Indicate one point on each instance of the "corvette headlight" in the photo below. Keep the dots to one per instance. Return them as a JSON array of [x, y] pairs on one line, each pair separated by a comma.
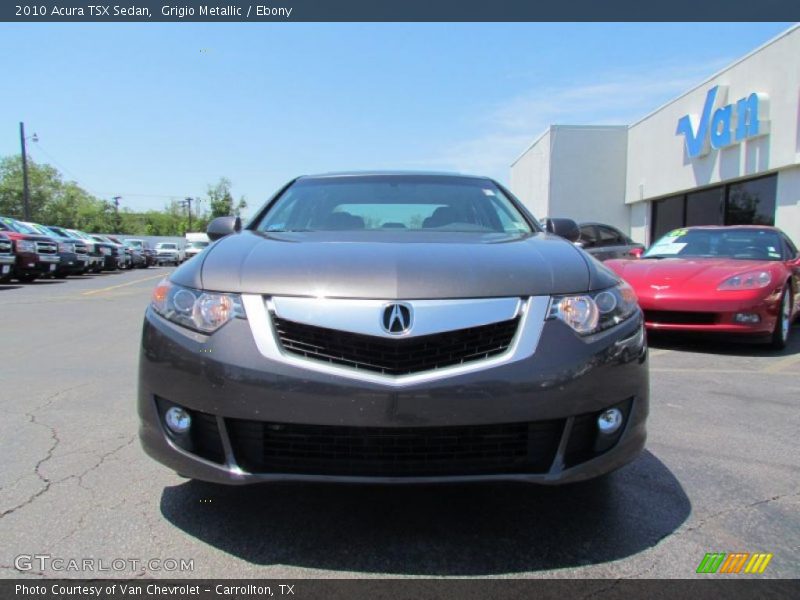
[[595, 311], [25, 246], [196, 309], [753, 280]]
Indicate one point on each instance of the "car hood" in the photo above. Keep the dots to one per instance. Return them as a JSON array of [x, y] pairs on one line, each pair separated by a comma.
[[394, 265], [682, 273], [32, 237]]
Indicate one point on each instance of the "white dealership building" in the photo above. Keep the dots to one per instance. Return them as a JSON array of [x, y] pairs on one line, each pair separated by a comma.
[[724, 152]]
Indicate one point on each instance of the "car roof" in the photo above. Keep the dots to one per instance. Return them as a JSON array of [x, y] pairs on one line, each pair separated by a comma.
[[717, 227], [392, 173]]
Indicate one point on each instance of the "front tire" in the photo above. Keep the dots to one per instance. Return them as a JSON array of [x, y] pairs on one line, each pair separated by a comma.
[[783, 324], [27, 277]]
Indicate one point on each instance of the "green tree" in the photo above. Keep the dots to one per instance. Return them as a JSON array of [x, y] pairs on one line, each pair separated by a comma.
[[221, 202], [44, 182]]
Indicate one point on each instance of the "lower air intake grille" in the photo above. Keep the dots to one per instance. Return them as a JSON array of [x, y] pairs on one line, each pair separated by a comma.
[[673, 317], [395, 356], [386, 451]]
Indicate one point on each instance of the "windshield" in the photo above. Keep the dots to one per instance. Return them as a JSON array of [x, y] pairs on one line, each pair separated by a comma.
[[744, 244], [36, 228], [133, 243], [394, 203], [13, 225], [164, 246], [80, 235], [199, 245]]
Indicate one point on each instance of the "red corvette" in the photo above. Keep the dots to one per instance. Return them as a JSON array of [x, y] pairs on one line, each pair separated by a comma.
[[732, 280]]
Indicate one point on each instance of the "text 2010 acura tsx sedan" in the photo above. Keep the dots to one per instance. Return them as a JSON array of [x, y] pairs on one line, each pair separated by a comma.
[[393, 327]]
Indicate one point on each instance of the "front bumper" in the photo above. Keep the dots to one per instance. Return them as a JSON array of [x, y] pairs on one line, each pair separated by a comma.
[[32, 263], [7, 262], [714, 315], [70, 263], [228, 384]]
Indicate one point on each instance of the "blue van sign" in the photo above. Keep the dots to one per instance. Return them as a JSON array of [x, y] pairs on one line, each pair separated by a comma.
[[723, 125]]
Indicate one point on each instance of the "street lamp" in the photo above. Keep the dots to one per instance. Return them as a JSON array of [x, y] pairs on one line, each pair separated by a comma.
[[25, 189]]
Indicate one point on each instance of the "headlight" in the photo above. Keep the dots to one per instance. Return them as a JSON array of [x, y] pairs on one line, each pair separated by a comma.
[[25, 246], [753, 280], [65, 247], [104, 250], [595, 311], [196, 309]]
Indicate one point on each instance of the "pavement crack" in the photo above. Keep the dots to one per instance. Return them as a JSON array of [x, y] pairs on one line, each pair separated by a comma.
[[37, 468], [702, 522]]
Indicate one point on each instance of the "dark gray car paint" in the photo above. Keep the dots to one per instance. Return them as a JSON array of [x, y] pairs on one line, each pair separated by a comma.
[[226, 375], [391, 265]]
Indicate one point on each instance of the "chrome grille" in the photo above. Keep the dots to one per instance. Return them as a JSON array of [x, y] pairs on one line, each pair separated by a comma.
[[5, 247], [80, 248], [46, 248]]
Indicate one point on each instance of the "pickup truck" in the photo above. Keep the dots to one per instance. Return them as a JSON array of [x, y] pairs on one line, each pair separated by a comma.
[[95, 259], [36, 255], [168, 252], [141, 247], [73, 253], [7, 258]]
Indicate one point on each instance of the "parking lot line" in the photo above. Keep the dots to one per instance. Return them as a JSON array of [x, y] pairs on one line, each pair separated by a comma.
[[114, 287], [782, 364]]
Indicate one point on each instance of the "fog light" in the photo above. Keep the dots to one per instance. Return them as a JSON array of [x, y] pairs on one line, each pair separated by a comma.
[[178, 420], [749, 318], [609, 421]]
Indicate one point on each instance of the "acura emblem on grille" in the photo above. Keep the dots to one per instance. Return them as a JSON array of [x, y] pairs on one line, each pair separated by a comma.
[[396, 318]]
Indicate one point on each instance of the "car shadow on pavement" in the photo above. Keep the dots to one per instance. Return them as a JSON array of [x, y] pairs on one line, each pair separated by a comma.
[[705, 344], [456, 530]]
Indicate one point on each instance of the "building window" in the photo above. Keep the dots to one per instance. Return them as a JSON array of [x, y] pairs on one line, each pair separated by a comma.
[[750, 202], [668, 214], [706, 207]]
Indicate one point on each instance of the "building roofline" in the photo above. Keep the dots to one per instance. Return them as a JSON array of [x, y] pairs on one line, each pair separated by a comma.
[[738, 61], [552, 128]]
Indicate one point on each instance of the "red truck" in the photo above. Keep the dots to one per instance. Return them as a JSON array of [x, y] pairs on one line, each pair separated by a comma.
[[36, 255]]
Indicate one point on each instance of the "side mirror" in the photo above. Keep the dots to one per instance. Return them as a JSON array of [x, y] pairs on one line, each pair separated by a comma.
[[566, 228], [222, 226]]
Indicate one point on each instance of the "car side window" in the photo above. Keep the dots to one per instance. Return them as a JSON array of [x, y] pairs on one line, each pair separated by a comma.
[[588, 236], [609, 236], [789, 249]]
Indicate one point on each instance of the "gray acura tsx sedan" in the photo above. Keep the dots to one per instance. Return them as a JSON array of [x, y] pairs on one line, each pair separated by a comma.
[[393, 327]]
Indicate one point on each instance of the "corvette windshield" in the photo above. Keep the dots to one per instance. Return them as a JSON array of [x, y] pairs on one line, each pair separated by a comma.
[[744, 244], [394, 203]]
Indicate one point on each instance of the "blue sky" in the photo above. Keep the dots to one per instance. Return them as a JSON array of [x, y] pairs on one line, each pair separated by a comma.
[[159, 111]]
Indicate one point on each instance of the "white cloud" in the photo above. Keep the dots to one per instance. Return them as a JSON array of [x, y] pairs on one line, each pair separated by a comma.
[[613, 97]]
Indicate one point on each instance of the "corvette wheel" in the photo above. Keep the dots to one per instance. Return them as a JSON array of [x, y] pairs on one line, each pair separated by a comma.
[[780, 335]]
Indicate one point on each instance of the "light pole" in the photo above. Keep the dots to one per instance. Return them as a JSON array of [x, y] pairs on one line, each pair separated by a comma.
[[188, 204], [26, 201], [116, 200]]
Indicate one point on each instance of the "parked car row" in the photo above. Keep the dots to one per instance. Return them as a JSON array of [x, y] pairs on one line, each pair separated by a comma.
[[32, 250]]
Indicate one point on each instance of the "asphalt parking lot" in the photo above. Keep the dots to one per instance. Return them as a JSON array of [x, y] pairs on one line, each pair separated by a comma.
[[721, 472]]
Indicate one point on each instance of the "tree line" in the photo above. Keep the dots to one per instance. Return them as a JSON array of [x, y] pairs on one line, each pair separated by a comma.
[[54, 201]]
